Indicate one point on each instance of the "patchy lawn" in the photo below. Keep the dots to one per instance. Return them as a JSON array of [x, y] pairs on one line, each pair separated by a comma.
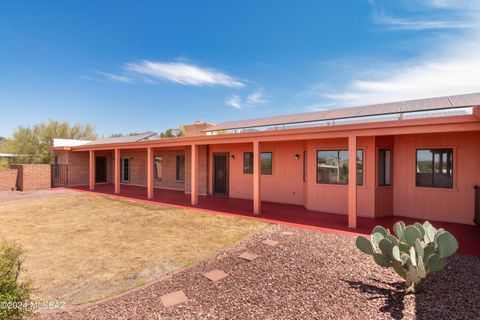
[[82, 248]]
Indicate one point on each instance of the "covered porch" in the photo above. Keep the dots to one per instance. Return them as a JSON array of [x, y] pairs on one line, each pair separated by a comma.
[[288, 214]]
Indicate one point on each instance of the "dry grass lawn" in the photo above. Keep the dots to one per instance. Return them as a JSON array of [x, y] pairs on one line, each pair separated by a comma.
[[81, 248]]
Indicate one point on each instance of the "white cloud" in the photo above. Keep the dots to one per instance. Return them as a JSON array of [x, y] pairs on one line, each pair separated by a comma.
[[114, 77], [447, 63], [395, 23], [255, 98], [234, 101], [182, 73]]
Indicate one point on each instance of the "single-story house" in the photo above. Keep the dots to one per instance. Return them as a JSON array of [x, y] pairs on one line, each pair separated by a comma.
[[417, 159]]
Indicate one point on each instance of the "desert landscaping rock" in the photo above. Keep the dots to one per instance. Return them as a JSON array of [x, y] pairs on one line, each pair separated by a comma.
[[216, 275], [174, 298], [248, 256], [269, 242], [313, 275], [286, 233]]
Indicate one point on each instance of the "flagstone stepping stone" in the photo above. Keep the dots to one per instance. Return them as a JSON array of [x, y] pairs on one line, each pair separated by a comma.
[[173, 298], [286, 233], [248, 256], [215, 275], [270, 242]]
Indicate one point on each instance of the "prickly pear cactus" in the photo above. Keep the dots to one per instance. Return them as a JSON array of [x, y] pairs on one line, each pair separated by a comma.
[[412, 251]]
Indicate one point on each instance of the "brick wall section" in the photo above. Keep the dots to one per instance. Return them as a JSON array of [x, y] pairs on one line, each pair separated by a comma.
[[8, 179], [202, 169], [33, 176], [78, 168]]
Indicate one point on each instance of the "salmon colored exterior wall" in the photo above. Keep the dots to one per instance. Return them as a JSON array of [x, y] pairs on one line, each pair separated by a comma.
[[286, 184], [451, 205]]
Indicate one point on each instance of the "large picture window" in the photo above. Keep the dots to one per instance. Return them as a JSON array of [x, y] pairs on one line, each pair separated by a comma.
[[180, 167], [434, 168], [384, 167], [265, 162], [332, 167]]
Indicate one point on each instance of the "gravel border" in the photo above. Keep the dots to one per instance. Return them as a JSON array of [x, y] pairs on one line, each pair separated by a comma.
[[16, 196], [309, 274]]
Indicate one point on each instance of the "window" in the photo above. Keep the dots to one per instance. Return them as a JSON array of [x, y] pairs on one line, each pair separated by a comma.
[[304, 166], [248, 162], [265, 162], [434, 168], [125, 170], [384, 167], [332, 167], [157, 167], [180, 168]]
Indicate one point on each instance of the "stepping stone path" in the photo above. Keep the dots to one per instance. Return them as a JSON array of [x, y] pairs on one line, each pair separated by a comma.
[[215, 275], [248, 256], [269, 242], [286, 233], [173, 298]]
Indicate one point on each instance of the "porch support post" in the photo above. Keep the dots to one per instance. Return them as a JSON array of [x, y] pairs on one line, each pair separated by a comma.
[[257, 200], [149, 173], [194, 173], [91, 173], [352, 181], [117, 170]]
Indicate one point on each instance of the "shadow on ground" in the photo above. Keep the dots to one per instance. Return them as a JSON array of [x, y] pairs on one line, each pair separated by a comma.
[[453, 293]]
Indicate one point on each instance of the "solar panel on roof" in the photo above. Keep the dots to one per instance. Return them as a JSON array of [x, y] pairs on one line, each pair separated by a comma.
[[438, 103]]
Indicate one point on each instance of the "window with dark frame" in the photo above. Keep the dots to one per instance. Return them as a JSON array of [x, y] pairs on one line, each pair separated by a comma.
[[384, 167], [157, 166], [434, 168], [332, 167], [248, 162], [265, 163], [304, 166], [180, 168]]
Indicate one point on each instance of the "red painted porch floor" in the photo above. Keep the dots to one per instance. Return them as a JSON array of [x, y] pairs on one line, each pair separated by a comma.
[[295, 215]]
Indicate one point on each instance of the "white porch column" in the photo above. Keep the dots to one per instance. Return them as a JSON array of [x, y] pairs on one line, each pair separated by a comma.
[[117, 170], [257, 199], [149, 173], [91, 173]]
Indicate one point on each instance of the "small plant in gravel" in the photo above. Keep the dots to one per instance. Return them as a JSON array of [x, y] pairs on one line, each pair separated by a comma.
[[12, 290], [412, 251]]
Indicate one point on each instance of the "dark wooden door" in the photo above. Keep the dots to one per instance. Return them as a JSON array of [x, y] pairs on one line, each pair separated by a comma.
[[220, 174], [100, 169]]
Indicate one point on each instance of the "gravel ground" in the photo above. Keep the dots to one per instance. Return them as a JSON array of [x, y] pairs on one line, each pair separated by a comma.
[[13, 196], [308, 275]]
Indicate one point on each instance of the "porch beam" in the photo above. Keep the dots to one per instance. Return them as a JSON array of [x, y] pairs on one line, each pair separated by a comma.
[[257, 200], [149, 173], [194, 174], [352, 181], [91, 172], [117, 170]]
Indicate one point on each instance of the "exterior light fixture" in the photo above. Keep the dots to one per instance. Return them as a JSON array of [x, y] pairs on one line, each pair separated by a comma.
[[232, 157], [296, 157]]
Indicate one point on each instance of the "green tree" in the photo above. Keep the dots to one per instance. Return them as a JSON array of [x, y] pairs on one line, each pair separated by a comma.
[[172, 133], [33, 143]]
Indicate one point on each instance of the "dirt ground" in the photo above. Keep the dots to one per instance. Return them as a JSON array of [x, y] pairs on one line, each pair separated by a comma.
[[82, 248]]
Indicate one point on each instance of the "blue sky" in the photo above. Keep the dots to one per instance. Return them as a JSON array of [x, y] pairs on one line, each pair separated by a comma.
[[130, 66]]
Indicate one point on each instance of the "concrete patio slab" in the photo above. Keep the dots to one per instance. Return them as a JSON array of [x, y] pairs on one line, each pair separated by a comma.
[[215, 275], [248, 256], [173, 298], [269, 242]]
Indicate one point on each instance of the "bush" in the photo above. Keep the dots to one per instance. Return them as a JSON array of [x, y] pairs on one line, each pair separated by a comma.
[[11, 288], [413, 251]]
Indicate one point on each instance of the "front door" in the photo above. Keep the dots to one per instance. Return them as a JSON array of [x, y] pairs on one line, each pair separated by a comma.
[[220, 174], [100, 169]]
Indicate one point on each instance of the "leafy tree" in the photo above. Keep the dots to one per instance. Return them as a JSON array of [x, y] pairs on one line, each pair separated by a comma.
[[172, 133], [116, 135], [33, 143]]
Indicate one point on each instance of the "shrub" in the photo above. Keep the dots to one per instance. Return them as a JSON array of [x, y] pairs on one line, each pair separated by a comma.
[[412, 251], [11, 288]]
